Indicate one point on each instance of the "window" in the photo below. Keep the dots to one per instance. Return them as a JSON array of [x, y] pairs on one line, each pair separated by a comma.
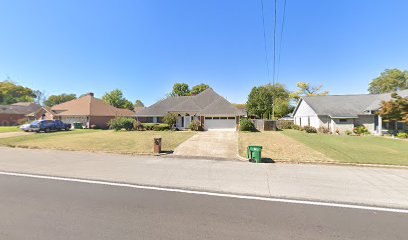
[[207, 118], [216, 117], [231, 117], [223, 118], [342, 120]]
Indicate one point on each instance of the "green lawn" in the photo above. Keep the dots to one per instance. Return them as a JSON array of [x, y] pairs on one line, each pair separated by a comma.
[[100, 141], [355, 149], [10, 129]]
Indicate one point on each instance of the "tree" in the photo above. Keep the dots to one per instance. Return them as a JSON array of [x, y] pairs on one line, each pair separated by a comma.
[[198, 89], [261, 99], [116, 99], [39, 97], [396, 109], [305, 89], [58, 99], [11, 93], [390, 80], [180, 89], [138, 104], [170, 119]]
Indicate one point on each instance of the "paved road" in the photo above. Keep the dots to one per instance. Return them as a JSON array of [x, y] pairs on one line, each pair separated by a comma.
[[218, 144], [51, 210]]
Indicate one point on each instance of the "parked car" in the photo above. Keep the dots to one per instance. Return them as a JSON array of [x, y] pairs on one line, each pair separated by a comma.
[[48, 125], [25, 127]]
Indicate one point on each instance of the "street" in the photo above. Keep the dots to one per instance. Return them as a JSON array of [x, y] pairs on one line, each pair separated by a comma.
[[49, 209]]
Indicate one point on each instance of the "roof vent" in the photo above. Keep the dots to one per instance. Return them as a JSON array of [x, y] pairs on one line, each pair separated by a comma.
[[91, 94]]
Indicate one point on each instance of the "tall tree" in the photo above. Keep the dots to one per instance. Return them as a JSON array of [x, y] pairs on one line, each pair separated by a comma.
[[198, 89], [138, 104], [306, 89], [180, 89], [11, 93], [39, 97], [396, 109], [389, 81], [261, 99], [58, 99], [116, 99]]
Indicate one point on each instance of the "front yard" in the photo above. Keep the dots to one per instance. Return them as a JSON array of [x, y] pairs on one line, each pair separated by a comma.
[[297, 146], [135, 142], [9, 129]]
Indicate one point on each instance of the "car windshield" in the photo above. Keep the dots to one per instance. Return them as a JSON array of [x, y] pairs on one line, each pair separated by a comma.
[[35, 122]]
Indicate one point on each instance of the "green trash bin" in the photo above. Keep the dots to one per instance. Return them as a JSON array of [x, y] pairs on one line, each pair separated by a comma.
[[255, 153], [78, 125]]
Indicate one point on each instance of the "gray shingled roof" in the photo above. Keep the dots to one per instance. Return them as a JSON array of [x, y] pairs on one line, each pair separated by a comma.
[[206, 103], [19, 108], [348, 105]]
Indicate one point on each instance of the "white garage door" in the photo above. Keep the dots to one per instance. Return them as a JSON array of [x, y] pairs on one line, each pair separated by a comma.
[[220, 124]]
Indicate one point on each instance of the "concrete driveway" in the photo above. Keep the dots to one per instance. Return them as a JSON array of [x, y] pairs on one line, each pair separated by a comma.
[[213, 144]]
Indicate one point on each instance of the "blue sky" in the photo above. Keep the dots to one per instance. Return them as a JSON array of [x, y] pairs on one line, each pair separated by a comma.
[[144, 47]]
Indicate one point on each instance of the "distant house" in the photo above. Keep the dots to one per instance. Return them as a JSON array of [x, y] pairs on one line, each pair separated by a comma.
[[210, 109], [344, 112], [14, 114], [88, 110]]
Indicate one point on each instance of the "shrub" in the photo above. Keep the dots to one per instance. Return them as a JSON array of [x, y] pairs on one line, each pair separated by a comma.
[[310, 129], [161, 127], [402, 135], [360, 130], [170, 119], [296, 127], [195, 125], [348, 132], [284, 124], [246, 124], [121, 123], [149, 126], [323, 129], [138, 126]]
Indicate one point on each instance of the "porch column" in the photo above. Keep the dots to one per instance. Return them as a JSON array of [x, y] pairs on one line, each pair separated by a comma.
[[379, 128]]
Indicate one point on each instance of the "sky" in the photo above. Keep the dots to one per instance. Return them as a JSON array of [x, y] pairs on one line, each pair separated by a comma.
[[143, 47]]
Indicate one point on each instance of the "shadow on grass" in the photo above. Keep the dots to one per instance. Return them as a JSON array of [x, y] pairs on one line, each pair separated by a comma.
[[263, 160]]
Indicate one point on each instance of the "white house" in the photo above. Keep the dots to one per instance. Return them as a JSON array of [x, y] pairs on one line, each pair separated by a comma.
[[344, 112]]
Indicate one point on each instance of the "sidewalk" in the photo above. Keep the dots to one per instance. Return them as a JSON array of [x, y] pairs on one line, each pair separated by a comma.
[[342, 184]]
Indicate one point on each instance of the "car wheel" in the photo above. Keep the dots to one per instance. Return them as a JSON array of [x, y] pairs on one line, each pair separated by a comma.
[[67, 129], [37, 131], [47, 130]]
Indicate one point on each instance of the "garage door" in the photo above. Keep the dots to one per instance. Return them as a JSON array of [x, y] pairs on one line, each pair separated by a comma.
[[220, 124]]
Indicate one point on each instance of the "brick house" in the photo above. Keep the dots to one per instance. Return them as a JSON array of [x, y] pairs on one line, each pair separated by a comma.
[[212, 111], [15, 114], [88, 110]]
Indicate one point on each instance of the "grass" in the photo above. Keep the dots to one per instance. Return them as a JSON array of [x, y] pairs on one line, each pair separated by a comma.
[[355, 149], [123, 142], [279, 148], [10, 129]]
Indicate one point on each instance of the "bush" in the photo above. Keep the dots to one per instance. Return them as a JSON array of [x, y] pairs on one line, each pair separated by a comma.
[[360, 130], [310, 129], [161, 127], [402, 135], [348, 132], [170, 119], [296, 127], [138, 126], [323, 129], [284, 124], [149, 126], [246, 124], [121, 123], [195, 125]]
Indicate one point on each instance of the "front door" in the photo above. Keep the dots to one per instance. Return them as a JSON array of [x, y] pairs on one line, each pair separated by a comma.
[[187, 121]]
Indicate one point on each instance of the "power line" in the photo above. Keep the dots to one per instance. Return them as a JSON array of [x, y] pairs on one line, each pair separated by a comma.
[[274, 43], [281, 39], [265, 45]]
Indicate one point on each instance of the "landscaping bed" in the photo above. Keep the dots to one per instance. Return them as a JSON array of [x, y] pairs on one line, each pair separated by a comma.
[[123, 142]]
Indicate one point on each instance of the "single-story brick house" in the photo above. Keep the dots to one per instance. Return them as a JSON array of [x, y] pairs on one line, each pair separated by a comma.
[[344, 112], [88, 110], [210, 109], [14, 114]]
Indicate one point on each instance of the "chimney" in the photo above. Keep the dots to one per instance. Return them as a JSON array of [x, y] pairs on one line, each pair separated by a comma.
[[91, 94]]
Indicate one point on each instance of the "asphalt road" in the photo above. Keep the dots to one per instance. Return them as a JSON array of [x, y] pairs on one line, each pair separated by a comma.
[[50, 210]]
